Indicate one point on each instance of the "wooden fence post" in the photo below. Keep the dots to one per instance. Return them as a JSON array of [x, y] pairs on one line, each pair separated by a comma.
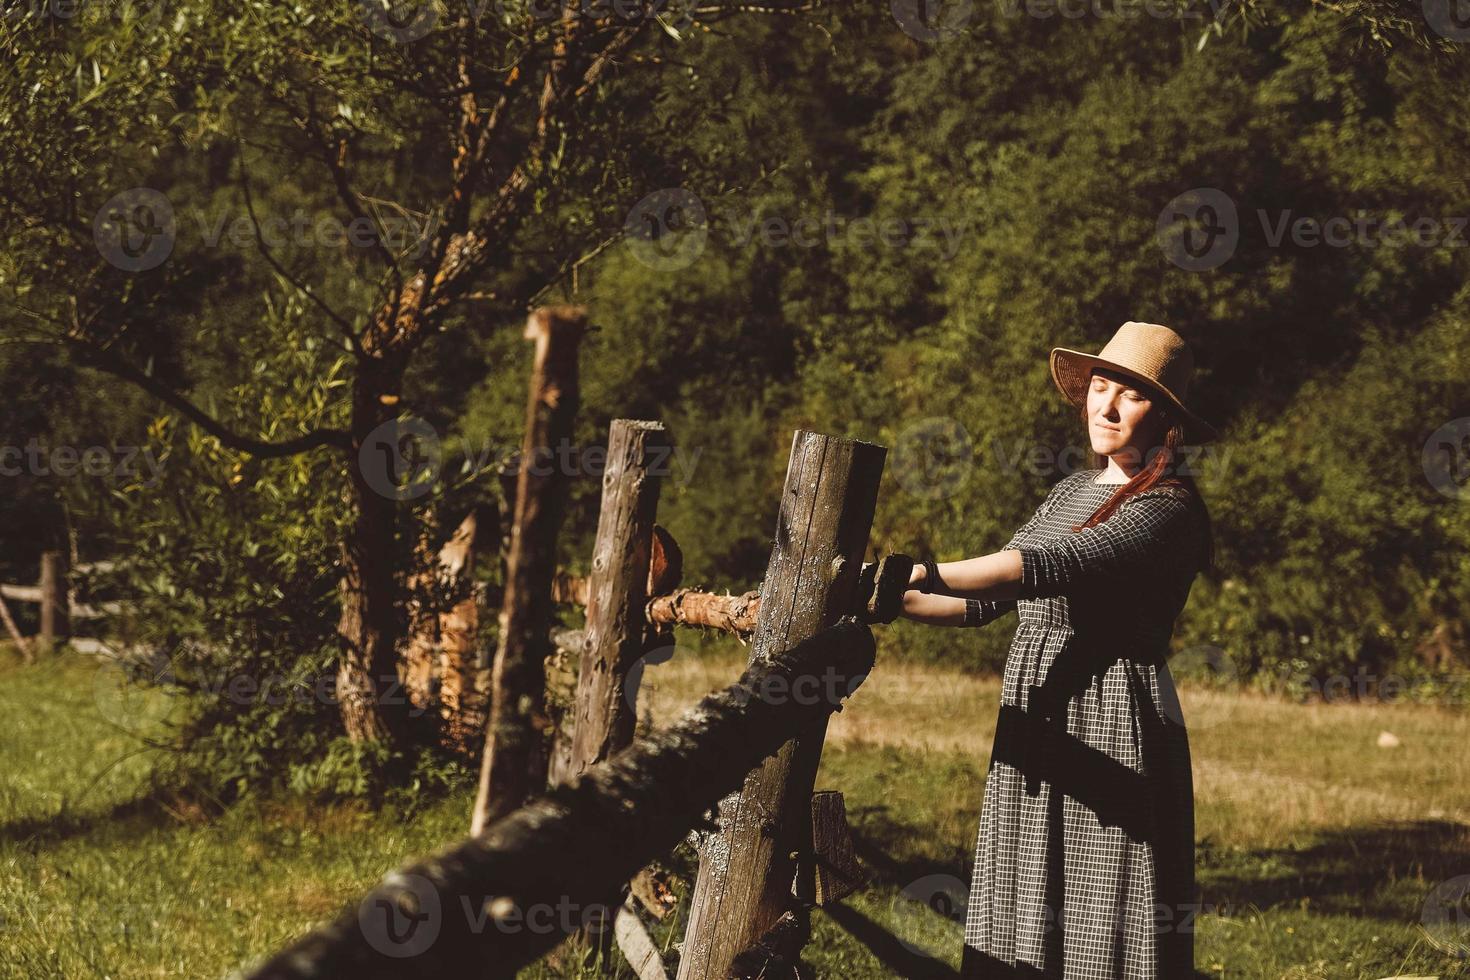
[[55, 607], [636, 453], [489, 905], [746, 872], [514, 761]]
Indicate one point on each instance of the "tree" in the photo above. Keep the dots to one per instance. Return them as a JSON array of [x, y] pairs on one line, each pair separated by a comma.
[[469, 122]]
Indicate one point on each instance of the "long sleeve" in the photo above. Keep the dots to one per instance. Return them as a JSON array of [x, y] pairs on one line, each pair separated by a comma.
[[979, 612], [1145, 530]]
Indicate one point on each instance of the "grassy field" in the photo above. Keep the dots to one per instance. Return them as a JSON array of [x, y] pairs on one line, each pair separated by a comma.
[[1317, 848]]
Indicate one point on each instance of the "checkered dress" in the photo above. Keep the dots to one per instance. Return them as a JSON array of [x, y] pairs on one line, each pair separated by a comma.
[[1084, 865]]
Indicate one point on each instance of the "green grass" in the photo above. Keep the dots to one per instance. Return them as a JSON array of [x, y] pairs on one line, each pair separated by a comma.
[[1317, 847]]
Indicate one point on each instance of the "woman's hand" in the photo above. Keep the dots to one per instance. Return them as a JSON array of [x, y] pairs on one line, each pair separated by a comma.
[[881, 588]]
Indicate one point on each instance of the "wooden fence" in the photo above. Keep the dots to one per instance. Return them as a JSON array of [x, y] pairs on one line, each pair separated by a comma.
[[576, 823]]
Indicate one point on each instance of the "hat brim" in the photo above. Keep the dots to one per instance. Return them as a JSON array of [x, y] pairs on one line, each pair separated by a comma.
[[1071, 369]]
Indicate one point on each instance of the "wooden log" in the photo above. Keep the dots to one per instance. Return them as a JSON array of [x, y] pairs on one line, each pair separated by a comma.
[[736, 614], [55, 607], [21, 593], [637, 945], [21, 643], [621, 562], [466, 910], [838, 873], [747, 871], [514, 764]]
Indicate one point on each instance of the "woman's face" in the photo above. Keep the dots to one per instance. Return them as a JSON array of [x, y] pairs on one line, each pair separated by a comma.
[[1121, 418]]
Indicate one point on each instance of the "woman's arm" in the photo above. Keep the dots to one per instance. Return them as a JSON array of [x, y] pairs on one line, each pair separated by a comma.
[[988, 578], [943, 609], [936, 610]]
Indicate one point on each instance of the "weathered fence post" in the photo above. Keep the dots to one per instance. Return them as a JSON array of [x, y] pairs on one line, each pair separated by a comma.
[[492, 903], [514, 762], [637, 458], [55, 606], [746, 873]]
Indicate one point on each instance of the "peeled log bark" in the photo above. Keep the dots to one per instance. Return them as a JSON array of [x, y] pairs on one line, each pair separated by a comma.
[[736, 614], [574, 847]]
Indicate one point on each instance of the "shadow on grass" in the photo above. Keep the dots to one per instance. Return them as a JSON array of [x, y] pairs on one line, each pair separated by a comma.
[[886, 947], [1345, 872], [137, 816], [1382, 871]]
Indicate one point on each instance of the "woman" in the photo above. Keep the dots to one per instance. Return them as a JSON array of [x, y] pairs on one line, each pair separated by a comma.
[[1084, 865]]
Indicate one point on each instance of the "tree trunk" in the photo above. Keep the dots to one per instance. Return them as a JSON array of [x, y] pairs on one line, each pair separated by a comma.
[[383, 453]]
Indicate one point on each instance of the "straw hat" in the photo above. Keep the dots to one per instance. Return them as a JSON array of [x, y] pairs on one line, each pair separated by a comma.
[[1148, 352]]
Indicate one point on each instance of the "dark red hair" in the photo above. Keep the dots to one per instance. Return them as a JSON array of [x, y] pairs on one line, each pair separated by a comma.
[[1159, 469]]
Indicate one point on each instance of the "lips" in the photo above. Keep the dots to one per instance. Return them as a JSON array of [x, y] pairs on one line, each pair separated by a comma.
[[1106, 428]]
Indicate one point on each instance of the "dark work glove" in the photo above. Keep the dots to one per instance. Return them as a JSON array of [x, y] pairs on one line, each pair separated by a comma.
[[881, 586]]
